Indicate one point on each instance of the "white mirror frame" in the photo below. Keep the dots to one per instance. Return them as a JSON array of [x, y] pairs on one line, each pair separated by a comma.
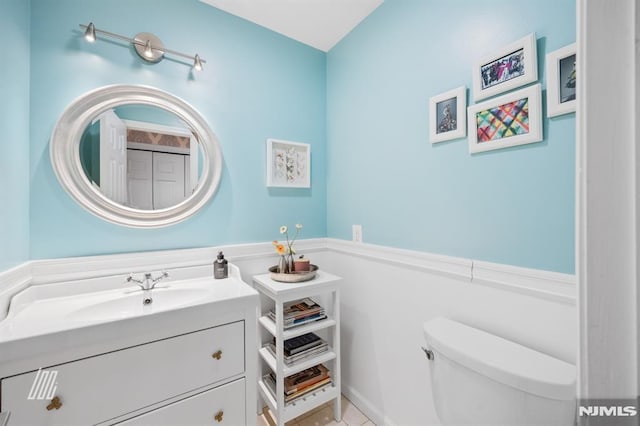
[[65, 155]]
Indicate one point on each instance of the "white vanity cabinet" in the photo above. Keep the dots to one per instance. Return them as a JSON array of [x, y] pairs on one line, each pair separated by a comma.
[[222, 405], [184, 367], [103, 387]]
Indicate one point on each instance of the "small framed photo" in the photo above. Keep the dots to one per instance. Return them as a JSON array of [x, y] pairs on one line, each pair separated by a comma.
[[505, 69], [288, 164], [509, 120], [561, 81], [447, 115]]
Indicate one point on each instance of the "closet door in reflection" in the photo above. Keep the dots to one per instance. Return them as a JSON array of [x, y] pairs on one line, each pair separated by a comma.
[[168, 179], [140, 179], [156, 180]]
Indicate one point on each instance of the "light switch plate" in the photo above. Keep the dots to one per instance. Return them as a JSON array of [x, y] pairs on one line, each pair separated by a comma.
[[356, 232]]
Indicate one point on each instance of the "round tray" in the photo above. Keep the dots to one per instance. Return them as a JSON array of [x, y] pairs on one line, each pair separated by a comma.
[[293, 277]]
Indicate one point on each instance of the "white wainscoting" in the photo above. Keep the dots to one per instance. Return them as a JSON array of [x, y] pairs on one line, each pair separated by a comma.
[[387, 295]]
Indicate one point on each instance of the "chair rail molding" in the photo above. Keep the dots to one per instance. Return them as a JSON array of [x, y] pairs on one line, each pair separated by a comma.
[[186, 263], [553, 286]]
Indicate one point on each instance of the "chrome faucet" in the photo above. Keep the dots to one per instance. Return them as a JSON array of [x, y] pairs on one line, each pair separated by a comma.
[[149, 281]]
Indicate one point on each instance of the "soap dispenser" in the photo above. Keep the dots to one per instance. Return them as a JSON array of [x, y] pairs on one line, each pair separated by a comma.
[[220, 267]]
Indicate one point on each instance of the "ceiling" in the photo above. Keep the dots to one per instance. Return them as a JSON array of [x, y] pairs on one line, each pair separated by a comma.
[[318, 23]]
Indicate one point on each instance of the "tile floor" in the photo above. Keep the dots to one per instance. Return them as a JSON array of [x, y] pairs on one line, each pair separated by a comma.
[[323, 416]]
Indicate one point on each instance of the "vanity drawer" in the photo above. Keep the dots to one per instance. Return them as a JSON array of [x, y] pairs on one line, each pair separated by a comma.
[[93, 390], [222, 406]]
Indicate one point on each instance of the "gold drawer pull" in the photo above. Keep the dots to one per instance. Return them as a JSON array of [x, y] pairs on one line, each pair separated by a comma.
[[217, 355], [218, 416], [55, 403]]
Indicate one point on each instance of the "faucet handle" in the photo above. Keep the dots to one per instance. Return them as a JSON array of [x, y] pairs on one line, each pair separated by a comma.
[[162, 276], [159, 278], [130, 278]]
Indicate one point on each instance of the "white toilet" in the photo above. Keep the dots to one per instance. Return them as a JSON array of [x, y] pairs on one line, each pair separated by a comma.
[[481, 379]]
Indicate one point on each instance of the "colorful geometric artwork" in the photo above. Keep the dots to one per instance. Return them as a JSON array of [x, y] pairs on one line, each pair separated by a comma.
[[503, 121]]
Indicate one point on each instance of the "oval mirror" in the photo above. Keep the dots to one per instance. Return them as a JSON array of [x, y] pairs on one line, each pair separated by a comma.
[[136, 156]]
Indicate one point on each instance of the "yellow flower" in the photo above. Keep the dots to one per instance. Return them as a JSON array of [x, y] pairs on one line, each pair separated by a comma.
[[279, 248]]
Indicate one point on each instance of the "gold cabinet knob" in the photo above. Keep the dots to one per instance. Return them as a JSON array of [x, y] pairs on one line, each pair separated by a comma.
[[217, 355], [218, 416], [54, 404]]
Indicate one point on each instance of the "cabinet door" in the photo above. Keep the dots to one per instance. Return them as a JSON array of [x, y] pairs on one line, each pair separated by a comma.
[[93, 390], [224, 405]]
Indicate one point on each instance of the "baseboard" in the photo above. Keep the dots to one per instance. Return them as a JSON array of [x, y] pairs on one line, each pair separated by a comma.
[[365, 406]]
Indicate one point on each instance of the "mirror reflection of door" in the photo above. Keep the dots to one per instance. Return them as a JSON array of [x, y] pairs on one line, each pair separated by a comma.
[[140, 179], [141, 164], [156, 180], [113, 157]]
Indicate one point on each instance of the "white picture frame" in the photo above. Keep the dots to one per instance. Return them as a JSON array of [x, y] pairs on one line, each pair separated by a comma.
[[448, 115], [506, 121], [508, 68], [288, 164], [561, 97]]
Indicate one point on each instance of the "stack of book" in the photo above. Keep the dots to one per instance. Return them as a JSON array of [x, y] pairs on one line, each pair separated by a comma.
[[300, 348], [300, 384], [300, 312]]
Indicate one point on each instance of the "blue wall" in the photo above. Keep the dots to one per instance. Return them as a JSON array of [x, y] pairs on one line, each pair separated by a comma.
[[513, 206], [14, 123], [256, 84], [367, 101]]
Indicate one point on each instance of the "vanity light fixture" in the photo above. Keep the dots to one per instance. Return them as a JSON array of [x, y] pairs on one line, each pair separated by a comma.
[[147, 45]]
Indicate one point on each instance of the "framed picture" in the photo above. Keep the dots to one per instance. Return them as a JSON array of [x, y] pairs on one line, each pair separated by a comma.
[[288, 164], [447, 115], [509, 120], [505, 69], [561, 81]]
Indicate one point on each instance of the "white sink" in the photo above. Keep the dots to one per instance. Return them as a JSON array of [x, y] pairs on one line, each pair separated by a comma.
[[125, 304], [46, 309]]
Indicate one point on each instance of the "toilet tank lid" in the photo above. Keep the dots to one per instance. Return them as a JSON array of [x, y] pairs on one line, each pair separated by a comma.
[[501, 360]]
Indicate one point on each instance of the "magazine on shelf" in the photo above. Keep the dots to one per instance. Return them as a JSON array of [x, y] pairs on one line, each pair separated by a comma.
[[270, 383], [299, 307], [304, 378], [295, 322], [315, 387], [301, 343], [290, 360], [299, 312]]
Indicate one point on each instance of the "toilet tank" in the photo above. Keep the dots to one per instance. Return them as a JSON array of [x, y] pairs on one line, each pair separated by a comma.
[[482, 379]]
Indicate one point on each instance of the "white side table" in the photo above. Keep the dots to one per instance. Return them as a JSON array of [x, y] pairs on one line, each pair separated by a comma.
[[324, 283]]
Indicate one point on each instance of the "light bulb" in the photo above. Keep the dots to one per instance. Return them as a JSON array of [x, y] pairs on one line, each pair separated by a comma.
[[90, 33], [197, 63], [148, 52]]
